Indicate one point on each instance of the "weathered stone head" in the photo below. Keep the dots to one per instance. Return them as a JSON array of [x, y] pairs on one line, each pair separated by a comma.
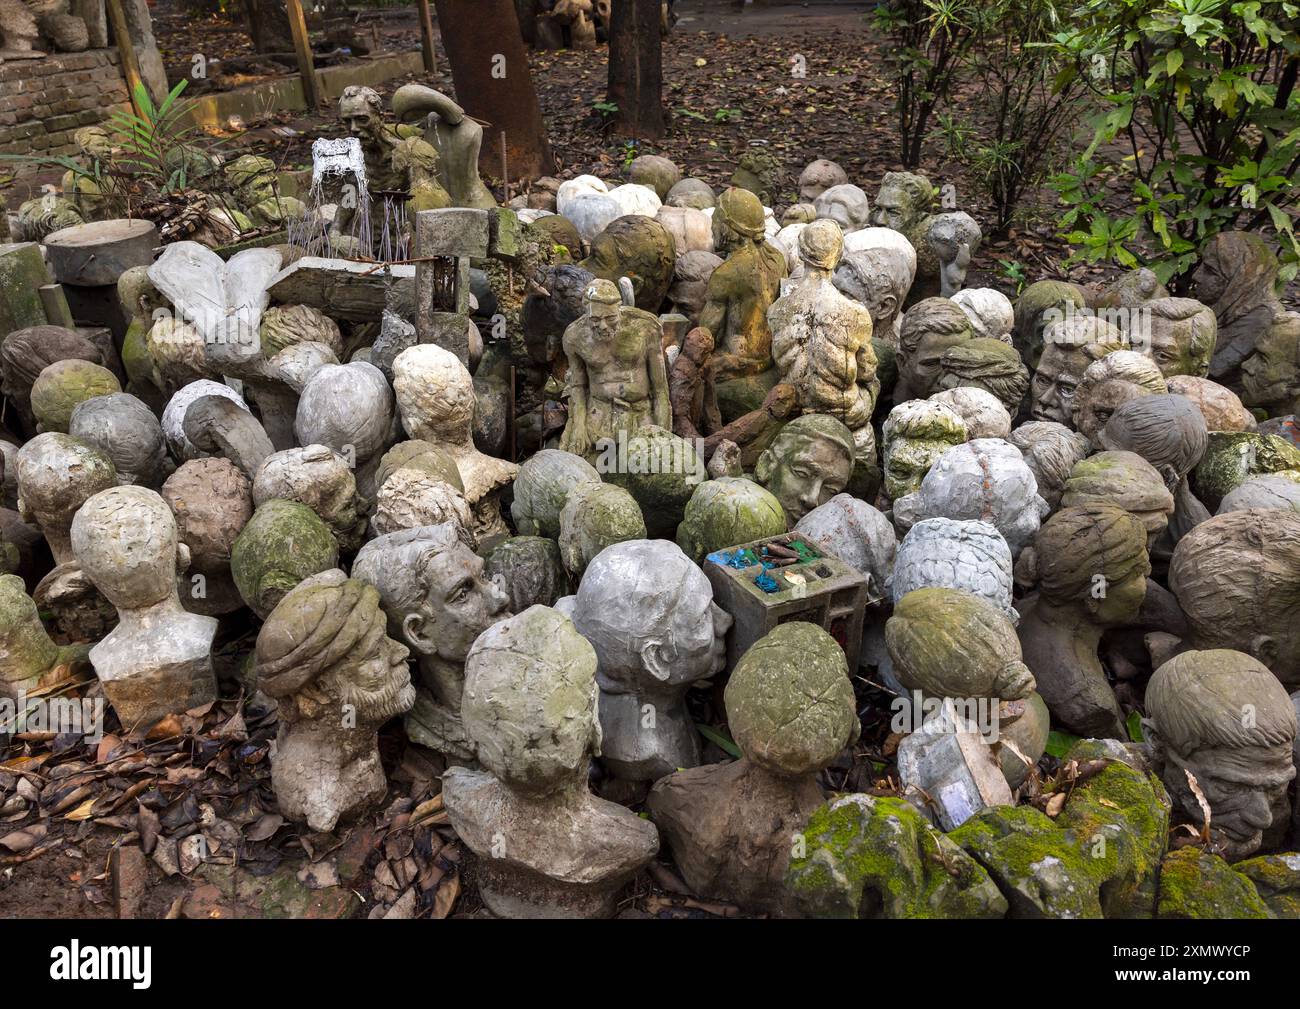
[[1085, 546], [905, 199], [790, 704], [62, 386], [324, 655], [691, 192], [530, 702], [282, 544], [361, 111], [1039, 305], [659, 173], [433, 588], [916, 434], [930, 328], [595, 516], [424, 456], [1069, 346], [212, 502], [1181, 338], [1167, 431], [990, 312], [726, 512], [1108, 384], [1222, 718], [27, 654], [1051, 451], [56, 475], [946, 642], [985, 479], [540, 489], [961, 554], [738, 219], [1124, 479], [808, 463], [988, 364], [1271, 375], [178, 406], [321, 479], [1237, 279], [411, 498], [649, 613], [955, 238], [846, 205], [126, 430], [1271, 490], [1237, 577], [984, 414], [879, 278], [126, 541], [637, 247], [691, 275], [819, 176], [852, 530], [348, 408], [25, 353]]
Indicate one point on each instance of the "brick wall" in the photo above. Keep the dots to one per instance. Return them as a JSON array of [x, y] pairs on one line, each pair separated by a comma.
[[44, 102]]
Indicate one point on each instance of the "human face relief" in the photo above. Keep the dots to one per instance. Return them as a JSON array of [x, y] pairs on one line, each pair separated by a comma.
[[1055, 382], [1122, 601], [697, 636], [1270, 375], [923, 367], [379, 686], [807, 474], [907, 461], [1171, 347], [1093, 409], [1243, 787], [892, 209], [1208, 282], [461, 605]]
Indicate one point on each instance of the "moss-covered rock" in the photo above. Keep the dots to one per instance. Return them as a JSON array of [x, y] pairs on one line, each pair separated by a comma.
[[1232, 456], [654, 171], [1197, 884], [869, 857], [1097, 858], [283, 543], [661, 471], [63, 385], [725, 512], [1277, 881]]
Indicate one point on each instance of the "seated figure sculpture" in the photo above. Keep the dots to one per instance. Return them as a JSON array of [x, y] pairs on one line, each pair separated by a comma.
[[617, 381], [1069, 346], [1242, 765], [435, 396], [324, 656], [821, 342], [791, 711], [649, 613], [810, 461], [1237, 578], [395, 163], [456, 137], [915, 435], [1090, 568], [739, 293], [158, 659], [547, 847], [438, 600]]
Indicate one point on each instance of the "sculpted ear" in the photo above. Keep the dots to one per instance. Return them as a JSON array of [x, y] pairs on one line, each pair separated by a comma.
[[419, 634], [763, 467], [656, 662], [1265, 648]]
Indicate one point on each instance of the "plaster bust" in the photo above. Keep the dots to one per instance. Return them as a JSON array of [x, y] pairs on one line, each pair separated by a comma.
[[1050, 449], [964, 554], [1108, 384], [915, 435], [1069, 346], [807, 464]]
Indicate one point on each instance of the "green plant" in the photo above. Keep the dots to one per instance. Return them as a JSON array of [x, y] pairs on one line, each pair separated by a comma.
[[606, 109], [931, 42], [726, 115], [956, 137], [1199, 131], [1014, 272], [629, 154], [692, 114], [155, 140], [1033, 96]]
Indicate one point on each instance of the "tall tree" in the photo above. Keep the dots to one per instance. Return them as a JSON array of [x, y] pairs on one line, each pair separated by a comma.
[[489, 66], [268, 24], [636, 68]]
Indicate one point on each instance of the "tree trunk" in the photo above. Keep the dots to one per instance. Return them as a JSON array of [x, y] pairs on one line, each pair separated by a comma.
[[636, 69], [268, 24], [489, 67]]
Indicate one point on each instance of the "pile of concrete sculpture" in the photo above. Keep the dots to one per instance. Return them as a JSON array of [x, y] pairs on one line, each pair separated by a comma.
[[632, 507]]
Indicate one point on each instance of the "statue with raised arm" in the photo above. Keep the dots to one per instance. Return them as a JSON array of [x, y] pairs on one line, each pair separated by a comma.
[[456, 137]]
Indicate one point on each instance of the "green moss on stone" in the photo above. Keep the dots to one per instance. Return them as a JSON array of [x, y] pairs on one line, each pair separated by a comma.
[[283, 543], [1197, 884]]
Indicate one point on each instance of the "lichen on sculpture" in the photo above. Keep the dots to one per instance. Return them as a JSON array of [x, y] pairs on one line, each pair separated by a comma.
[[915, 435], [1039, 305], [983, 413], [988, 364], [1236, 278], [1124, 479], [281, 545], [29, 658], [728, 511], [1181, 335], [1069, 347], [810, 461], [639, 248], [964, 554], [930, 328], [1051, 451]]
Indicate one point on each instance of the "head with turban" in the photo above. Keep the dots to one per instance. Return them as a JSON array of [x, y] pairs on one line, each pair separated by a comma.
[[988, 364], [1124, 479], [1092, 558]]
